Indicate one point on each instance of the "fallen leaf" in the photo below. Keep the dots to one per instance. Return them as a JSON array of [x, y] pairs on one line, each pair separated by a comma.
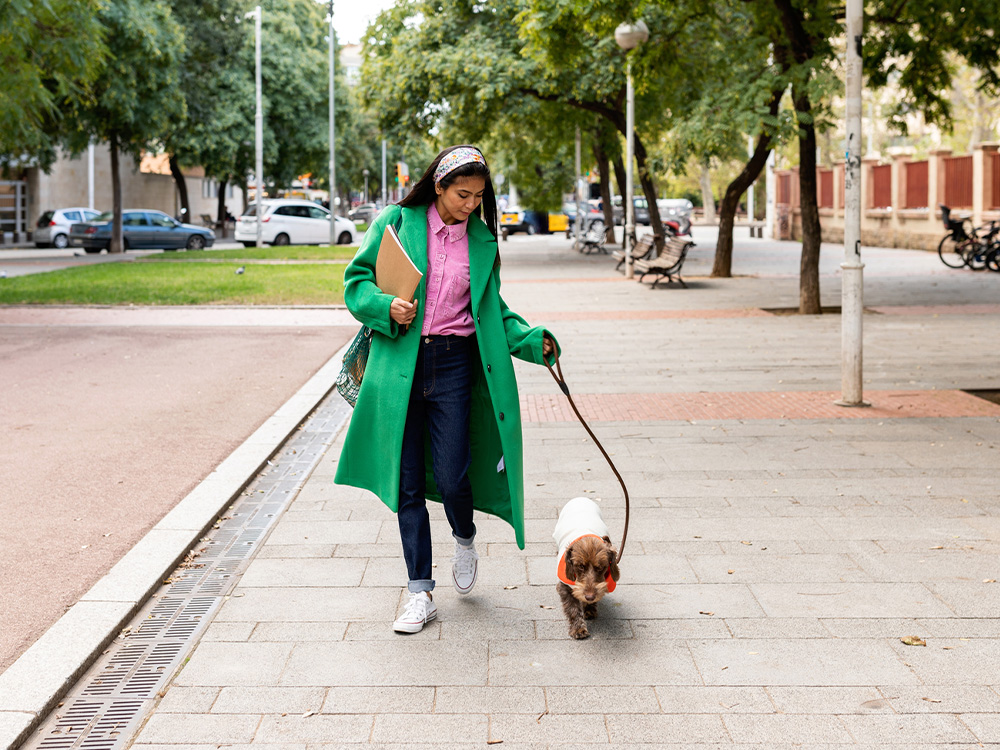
[[931, 700], [913, 640], [494, 742], [508, 588], [731, 572], [539, 719], [545, 606], [938, 547], [749, 544], [307, 714], [989, 580], [707, 613]]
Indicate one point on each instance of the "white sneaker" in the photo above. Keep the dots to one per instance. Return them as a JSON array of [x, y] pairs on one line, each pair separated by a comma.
[[419, 611], [464, 568]]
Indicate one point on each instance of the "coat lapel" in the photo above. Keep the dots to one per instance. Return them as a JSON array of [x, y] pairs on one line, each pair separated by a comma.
[[482, 255], [413, 235]]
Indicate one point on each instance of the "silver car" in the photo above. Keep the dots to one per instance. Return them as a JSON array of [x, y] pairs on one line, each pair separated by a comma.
[[52, 229]]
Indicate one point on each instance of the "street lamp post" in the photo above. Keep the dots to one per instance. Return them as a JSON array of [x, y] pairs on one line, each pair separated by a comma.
[[259, 130], [629, 36], [365, 172], [852, 299], [333, 165]]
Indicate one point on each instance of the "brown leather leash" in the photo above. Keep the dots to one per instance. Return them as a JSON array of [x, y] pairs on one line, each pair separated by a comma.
[[561, 382]]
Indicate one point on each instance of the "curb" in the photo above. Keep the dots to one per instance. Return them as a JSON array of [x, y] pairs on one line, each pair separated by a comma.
[[32, 686]]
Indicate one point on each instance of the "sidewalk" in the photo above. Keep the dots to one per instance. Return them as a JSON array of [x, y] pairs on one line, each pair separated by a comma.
[[779, 548]]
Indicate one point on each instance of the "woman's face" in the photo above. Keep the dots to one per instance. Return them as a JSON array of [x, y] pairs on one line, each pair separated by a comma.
[[458, 200]]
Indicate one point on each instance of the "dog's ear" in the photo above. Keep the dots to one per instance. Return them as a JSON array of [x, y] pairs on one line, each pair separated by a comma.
[[612, 560], [570, 573]]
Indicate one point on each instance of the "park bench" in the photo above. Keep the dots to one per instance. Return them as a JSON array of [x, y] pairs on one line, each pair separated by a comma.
[[667, 263], [643, 250], [593, 239]]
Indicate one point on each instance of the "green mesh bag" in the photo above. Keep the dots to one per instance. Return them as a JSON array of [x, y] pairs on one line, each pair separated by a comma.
[[353, 369]]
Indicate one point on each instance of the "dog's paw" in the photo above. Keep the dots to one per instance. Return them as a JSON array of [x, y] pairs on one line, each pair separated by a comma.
[[590, 612], [579, 632]]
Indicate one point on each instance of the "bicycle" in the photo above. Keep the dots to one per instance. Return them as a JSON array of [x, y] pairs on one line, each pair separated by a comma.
[[964, 245]]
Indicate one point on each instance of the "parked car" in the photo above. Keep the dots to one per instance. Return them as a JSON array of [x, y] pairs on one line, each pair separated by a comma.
[[292, 222], [671, 208], [591, 212], [516, 219], [363, 213], [141, 229], [641, 210], [52, 229]]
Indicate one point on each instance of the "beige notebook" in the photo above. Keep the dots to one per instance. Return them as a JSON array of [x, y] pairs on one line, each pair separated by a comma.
[[395, 273]]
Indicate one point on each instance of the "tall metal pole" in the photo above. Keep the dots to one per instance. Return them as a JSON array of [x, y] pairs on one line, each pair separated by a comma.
[[333, 164], [578, 222], [385, 189], [629, 204], [90, 175], [259, 132], [852, 294]]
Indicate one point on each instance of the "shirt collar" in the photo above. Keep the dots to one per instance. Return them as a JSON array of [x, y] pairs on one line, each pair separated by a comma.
[[455, 232]]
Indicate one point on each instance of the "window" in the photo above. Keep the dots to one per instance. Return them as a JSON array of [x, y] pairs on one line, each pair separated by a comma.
[[161, 220], [72, 215], [301, 212], [134, 219], [318, 213]]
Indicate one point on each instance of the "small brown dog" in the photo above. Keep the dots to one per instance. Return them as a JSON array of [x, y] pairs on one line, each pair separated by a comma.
[[587, 567]]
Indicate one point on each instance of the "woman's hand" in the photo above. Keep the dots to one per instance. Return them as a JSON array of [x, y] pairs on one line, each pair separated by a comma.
[[546, 346], [402, 312]]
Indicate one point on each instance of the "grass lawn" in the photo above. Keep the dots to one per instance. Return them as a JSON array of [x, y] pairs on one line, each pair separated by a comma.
[[145, 283], [289, 252]]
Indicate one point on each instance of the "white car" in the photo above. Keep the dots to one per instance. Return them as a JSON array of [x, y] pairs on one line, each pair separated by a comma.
[[292, 222], [52, 229]]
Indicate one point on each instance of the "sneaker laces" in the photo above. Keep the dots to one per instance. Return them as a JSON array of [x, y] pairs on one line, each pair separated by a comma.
[[464, 559], [416, 607]]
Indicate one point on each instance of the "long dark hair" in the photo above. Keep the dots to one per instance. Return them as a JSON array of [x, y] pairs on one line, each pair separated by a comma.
[[423, 192]]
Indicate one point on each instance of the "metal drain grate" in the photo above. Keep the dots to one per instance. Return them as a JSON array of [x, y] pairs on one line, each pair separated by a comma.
[[106, 707]]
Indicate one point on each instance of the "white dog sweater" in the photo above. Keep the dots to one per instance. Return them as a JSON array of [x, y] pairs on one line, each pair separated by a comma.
[[578, 518]]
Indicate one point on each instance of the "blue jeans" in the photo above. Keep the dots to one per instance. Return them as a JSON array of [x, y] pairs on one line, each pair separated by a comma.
[[439, 406]]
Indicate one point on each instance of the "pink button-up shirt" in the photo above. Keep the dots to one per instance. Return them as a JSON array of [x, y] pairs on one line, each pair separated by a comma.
[[448, 306]]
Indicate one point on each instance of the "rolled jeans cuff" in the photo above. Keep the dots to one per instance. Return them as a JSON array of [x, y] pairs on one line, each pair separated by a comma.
[[415, 587], [465, 542]]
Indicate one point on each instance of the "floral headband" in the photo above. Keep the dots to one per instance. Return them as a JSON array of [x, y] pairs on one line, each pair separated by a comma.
[[455, 159]]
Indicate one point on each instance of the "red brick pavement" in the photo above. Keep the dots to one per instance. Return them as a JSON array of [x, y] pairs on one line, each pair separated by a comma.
[[750, 312], [619, 407]]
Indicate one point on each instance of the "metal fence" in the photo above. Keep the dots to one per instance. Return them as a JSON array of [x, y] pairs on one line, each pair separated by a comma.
[[958, 181], [916, 185], [881, 186]]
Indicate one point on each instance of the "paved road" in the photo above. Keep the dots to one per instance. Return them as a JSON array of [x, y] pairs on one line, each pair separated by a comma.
[[110, 416], [779, 548]]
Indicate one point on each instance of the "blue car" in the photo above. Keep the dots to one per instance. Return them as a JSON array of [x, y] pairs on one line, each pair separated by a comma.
[[141, 229]]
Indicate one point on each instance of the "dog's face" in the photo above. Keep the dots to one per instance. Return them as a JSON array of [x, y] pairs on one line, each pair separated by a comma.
[[588, 562]]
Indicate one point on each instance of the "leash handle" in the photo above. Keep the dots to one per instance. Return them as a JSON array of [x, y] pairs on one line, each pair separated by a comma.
[[561, 382]]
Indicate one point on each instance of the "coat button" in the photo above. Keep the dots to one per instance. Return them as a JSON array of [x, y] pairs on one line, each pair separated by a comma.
[[489, 368], [501, 416], [477, 319]]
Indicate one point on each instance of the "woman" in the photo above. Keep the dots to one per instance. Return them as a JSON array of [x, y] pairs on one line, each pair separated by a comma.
[[440, 371]]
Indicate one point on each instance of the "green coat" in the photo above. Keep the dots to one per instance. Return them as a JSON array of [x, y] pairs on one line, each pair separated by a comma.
[[372, 449]]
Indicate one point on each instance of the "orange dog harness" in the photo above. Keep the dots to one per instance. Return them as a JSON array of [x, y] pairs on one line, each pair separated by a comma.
[[561, 566]]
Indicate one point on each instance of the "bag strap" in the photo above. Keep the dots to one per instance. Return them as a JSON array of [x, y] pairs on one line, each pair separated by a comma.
[[561, 382]]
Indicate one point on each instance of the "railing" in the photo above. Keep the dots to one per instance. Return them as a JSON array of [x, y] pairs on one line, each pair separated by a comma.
[[881, 186], [994, 160], [826, 188], [784, 188], [958, 181], [916, 184]]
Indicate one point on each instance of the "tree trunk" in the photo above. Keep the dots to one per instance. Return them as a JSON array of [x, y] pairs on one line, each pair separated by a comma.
[[117, 235], [603, 167], [220, 214], [809, 206], [620, 179], [723, 264], [707, 199], [649, 190], [182, 189]]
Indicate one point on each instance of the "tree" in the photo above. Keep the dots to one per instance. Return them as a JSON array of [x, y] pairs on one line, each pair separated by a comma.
[[50, 53], [135, 97]]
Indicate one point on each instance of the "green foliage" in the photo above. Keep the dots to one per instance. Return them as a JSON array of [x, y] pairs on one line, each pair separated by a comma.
[[50, 53], [136, 96]]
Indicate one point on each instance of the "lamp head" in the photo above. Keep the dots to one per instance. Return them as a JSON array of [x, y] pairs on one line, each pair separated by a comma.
[[631, 35]]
